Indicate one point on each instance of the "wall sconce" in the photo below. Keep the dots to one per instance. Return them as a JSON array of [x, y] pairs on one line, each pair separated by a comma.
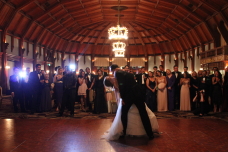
[[175, 59], [162, 60], [23, 50], [201, 68], [7, 67], [110, 60], [36, 54], [47, 71], [93, 72], [145, 60], [128, 60], [6, 45]]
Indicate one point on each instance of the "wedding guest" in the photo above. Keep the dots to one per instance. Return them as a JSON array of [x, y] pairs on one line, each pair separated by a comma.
[[155, 68], [141, 79], [16, 90], [200, 74], [185, 104], [90, 80], [186, 71], [217, 92], [126, 68], [162, 92], [42, 74], [203, 89], [225, 90], [194, 83], [82, 90], [69, 90], [210, 89], [26, 90], [151, 92], [161, 69], [104, 73], [178, 76], [170, 78], [100, 105], [34, 82], [58, 88], [45, 103]]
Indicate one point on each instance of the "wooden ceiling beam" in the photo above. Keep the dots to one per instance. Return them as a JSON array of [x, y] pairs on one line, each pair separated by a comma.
[[148, 32], [17, 9], [140, 38]]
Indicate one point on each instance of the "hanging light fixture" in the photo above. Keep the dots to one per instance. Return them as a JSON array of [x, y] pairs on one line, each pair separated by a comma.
[[119, 48], [118, 32]]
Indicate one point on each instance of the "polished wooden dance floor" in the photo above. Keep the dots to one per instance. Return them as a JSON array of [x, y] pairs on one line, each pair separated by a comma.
[[79, 135]]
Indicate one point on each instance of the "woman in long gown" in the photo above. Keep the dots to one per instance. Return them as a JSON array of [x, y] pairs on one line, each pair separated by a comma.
[[170, 78], [185, 104], [151, 92], [82, 90], [45, 103], [100, 104], [162, 92], [58, 88], [217, 91], [134, 125]]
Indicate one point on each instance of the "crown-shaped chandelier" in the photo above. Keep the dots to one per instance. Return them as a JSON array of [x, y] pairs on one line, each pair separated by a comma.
[[118, 32], [119, 48]]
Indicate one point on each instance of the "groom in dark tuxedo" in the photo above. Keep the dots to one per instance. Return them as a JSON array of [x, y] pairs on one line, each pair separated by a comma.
[[131, 93]]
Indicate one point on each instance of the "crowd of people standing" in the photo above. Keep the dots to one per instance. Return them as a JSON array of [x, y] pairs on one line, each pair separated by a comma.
[[169, 91], [164, 90]]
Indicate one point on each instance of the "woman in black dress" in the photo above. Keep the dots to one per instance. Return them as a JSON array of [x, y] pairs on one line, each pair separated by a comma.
[[100, 104], [45, 104], [194, 82], [217, 91], [151, 92], [58, 88]]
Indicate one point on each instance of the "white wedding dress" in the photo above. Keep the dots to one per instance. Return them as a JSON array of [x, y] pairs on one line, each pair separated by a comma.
[[134, 125]]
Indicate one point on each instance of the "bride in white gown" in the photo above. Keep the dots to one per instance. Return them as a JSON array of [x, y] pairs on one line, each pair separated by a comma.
[[134, 125]]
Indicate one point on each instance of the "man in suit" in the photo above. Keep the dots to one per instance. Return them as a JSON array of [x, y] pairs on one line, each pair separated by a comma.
[[69, 90], [186, 71], [204, 83], [178, 76], [90, 79], [26, 89], [155, 68], [161, 69], [34, 82], [141, 79], [126, 68], [104, 73], [16, 90], [131, 93]]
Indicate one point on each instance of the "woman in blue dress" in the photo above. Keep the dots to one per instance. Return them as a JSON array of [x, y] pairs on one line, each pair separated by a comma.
[[170, 78]]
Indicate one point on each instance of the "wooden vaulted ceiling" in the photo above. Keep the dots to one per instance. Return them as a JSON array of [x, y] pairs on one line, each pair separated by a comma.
[[80, 26]]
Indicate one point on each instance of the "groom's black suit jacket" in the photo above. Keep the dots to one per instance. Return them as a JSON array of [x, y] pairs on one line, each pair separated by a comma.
[[130, 91]]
